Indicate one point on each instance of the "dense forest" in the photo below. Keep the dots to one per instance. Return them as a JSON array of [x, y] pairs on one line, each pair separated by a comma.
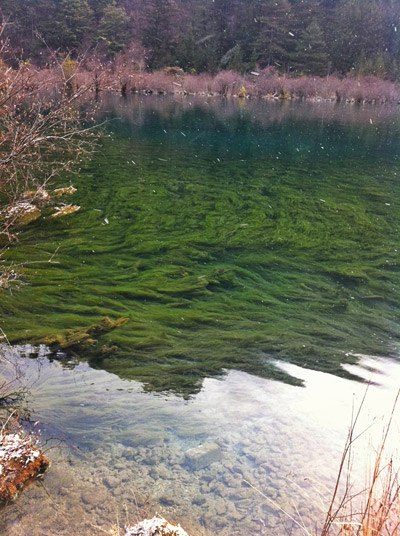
[[300, 37]]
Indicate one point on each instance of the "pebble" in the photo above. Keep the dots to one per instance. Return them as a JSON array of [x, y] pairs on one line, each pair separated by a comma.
[[220, 507], [167, 500], [111, 481], [94, 496], [154, 474], [203, 455]]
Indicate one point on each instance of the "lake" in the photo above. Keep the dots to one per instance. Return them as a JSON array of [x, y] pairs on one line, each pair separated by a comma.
[[252, 248]]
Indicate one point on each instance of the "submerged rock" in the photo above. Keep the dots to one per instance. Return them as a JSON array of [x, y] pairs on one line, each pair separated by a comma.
[[203, 456], [41, 195], [58, 192], [20, 213], [20, 461], [65, 210], [157, 526], [84, 338]]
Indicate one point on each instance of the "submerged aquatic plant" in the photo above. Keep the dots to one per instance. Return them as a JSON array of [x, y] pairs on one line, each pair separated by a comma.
[[226, 241]]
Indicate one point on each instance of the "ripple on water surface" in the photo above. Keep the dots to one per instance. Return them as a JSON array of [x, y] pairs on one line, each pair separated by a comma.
[[124, 449]]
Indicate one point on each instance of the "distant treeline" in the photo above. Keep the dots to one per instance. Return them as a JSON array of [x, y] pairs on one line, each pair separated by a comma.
[[317, 37]]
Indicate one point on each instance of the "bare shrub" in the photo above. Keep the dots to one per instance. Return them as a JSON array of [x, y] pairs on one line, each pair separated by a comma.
[[327, 87], [197, 84], [157, 82], [227, 83], [375, 511], [161, 82], [270, 84], [42, 135], [305, 87], [368, 89]]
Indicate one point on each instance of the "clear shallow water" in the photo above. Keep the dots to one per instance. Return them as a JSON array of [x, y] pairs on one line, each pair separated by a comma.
[[227, 234], [230, 236], [121, 447]]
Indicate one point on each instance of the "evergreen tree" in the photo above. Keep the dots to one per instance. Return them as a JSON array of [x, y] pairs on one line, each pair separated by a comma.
[[113, 28], [310, 56], [159, 36], [274, 41], [220, 19], [187, 52], [359, 30], [98, 7], [391, 9], [64, 23], [248, 26], [201, 45], [205, 35], [234, 60]]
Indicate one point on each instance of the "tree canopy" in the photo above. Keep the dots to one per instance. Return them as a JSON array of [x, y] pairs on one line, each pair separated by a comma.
[[300, 36]]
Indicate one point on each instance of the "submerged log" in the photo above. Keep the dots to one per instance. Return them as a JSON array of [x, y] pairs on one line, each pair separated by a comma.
[[20, 462], [84, 338]]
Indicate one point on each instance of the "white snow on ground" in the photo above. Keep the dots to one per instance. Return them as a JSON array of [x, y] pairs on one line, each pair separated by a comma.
[[14, 446], [157, 526]]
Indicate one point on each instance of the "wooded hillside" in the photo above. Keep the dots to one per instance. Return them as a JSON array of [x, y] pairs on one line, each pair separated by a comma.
[[317, 37]]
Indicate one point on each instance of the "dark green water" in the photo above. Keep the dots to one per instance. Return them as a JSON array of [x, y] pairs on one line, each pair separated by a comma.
[[228, 235]]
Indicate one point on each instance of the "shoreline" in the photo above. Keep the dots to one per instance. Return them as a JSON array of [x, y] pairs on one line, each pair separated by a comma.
[[264, 85], [267, 98]]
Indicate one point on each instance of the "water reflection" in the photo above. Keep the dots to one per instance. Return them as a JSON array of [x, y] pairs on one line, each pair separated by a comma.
[[124, 449]]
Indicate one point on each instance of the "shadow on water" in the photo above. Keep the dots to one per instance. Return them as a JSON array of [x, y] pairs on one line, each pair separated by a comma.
[[227, 234]]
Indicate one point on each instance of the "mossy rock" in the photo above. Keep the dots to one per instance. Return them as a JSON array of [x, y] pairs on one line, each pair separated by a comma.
[[20, 214], [75, 340], [65, 210], [69, 190]]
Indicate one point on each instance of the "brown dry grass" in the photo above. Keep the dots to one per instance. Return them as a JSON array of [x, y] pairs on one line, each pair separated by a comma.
[[375, 510]]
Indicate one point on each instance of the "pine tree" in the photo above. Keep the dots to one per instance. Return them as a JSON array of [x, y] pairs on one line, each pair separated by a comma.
[[64, 24], [159, 36], [186, 52], [205, 55], [98, 7], [359, 29], [310, 56], [113, 28], [235, 61], [274, 42], [221, 13], [248, 24]]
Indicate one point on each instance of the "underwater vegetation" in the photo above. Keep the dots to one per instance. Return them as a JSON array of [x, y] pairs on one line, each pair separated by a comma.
[[226, 241]]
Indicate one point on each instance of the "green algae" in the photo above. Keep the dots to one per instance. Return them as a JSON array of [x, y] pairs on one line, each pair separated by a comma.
[[226, 241]]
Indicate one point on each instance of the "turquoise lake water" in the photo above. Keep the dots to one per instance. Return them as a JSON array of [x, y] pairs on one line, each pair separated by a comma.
[[244, 242]]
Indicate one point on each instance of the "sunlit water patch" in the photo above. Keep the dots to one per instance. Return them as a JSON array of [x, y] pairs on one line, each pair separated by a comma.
[[227, 234], [121, 451]]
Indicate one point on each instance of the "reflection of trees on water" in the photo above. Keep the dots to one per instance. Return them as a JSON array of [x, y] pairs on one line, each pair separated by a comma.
[[350, 126]]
